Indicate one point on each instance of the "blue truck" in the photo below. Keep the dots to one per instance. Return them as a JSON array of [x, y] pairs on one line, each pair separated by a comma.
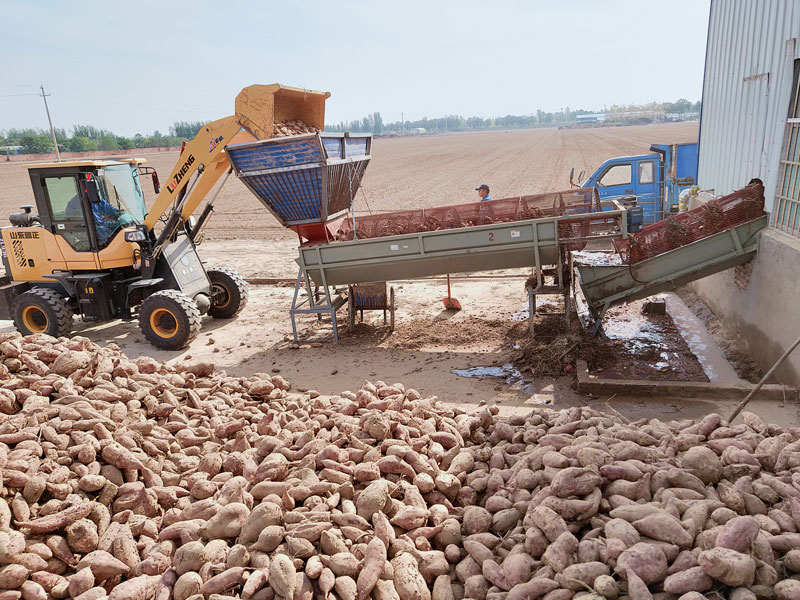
[[652, 181]]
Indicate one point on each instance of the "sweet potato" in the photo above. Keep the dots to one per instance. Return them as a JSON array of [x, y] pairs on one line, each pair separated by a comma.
[[574, 481], [622, 530], [227, 523], [606, 586], [728, 566], [788, 589], [56, 520], [223, 581], [372, 499], [476, 586], [103, 565], [282, 576], [561, 553], [637, 588], [494, 575], [371, 570], [142, 587], [647, 561], [476, 520], [408, 581], [738, 534], [579, 576], [664, 527], [535, 588], [385, 590], [690, 580], [517, 568]]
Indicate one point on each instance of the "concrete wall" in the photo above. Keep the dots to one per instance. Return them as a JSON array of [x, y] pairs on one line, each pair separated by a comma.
[[761, 301]]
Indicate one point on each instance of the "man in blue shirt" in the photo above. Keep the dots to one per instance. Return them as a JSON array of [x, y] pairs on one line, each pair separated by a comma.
[[483, 192]]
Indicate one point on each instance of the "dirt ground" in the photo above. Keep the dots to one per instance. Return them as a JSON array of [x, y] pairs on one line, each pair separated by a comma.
[[427, 346], [429, 343]]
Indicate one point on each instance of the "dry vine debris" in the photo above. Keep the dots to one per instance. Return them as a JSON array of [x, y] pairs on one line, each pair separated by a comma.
[[129, 479]]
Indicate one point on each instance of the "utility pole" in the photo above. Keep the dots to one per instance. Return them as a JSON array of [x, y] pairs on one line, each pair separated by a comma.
[[49, 120]]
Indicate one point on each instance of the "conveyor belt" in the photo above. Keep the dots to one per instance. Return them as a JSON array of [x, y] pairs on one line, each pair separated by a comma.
[[604, 286]]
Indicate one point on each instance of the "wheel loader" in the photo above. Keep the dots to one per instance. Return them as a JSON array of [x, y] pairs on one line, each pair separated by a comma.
[[93, 249]]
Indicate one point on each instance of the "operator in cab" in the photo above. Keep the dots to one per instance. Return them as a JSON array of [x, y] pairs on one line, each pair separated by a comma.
[[483, 192], [107, 219]]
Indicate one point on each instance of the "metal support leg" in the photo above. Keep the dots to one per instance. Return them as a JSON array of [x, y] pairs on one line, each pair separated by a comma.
[[567, 311], [531, 310], [319, 303], [294, 303], [599, 319], [335, 325]]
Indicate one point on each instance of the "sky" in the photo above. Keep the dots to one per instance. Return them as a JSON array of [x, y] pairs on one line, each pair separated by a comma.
[[138, 67]]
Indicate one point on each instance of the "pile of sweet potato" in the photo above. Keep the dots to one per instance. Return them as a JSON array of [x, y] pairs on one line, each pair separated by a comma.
[[294, 127], [131, 480]]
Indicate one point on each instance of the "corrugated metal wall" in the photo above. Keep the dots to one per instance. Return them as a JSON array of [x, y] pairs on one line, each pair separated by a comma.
[[751, 50]]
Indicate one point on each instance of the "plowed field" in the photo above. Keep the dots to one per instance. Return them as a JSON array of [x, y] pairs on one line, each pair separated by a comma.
[[420, 172]]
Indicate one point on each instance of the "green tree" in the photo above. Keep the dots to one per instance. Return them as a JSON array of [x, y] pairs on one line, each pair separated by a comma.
[[91, 132], [186, 129], [377, 123], [682, 105], [124, 143], [35, 144], [107, 143], [79, 143]]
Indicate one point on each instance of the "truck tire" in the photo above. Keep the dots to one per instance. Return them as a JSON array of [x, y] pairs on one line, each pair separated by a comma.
[[169, 319], [231, 293], [42, 310]]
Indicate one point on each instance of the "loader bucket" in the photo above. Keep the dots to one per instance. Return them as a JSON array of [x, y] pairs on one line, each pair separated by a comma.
[[259, 107]]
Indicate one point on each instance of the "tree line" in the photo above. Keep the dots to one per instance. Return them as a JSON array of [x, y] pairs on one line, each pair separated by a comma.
[[85, 138], [653, 111]]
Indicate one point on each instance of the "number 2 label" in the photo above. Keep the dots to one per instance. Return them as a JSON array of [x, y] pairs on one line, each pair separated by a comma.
[[491, 237]]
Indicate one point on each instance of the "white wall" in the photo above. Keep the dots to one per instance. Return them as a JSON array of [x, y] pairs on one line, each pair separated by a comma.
[[752, 45]]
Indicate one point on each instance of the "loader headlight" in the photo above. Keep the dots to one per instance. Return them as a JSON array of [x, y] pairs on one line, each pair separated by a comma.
[[136, 235]]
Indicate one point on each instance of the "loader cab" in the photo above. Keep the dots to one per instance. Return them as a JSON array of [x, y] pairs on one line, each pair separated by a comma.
[[87, 204]]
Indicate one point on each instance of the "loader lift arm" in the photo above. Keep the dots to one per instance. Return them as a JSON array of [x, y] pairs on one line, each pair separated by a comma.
[[203, 160]]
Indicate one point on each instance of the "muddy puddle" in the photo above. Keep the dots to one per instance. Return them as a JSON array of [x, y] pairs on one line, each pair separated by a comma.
[[506, 373]]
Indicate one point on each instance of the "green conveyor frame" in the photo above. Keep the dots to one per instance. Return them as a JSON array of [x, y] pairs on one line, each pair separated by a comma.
[[530, 243], [604, 286]]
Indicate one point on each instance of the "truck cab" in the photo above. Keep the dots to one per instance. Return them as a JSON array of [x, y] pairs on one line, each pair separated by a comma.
[[652, 181]]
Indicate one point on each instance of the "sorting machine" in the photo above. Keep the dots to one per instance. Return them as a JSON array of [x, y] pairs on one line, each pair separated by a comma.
[[309, 183]]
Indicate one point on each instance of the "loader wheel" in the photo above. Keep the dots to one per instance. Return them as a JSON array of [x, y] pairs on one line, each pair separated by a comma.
[[42, 310], [230, 293], [169, 319]]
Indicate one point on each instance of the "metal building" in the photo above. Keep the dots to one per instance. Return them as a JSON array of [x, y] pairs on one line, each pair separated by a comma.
[[750, 127]]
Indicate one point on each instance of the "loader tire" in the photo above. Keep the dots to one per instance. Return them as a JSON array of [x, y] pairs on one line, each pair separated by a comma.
[[231, 293], [42, 310], [169, 319]]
